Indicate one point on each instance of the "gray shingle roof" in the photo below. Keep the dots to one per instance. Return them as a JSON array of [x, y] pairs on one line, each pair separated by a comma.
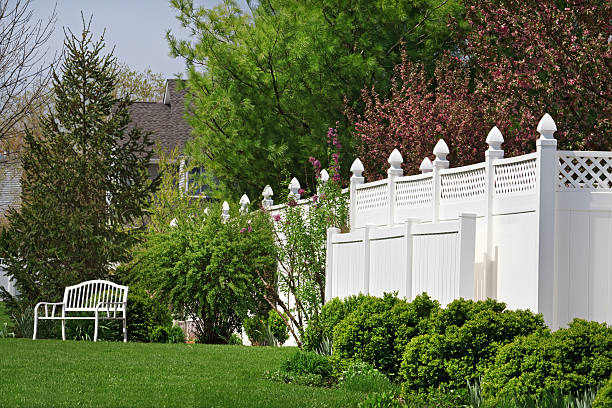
[[166, 120]]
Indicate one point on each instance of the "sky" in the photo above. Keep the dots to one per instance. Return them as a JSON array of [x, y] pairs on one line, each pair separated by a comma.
[[136, 28]]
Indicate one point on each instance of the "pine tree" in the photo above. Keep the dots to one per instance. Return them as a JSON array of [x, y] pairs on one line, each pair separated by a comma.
[[85, 183]]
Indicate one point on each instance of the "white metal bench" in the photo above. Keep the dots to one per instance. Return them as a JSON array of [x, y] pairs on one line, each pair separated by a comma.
[[105, 299]]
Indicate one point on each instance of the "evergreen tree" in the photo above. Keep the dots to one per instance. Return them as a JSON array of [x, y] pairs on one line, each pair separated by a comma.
[[85, 183]]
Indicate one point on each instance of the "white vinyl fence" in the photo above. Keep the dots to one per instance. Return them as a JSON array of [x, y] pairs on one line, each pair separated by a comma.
[[5, 281], [534, 231]]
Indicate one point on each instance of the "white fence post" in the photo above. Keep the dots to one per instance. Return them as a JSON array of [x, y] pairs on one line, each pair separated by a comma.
[[426, 166], [267, 194], [440, 150], [225, 211], [294, 189], [244, 204], [356, 179], [366, 258], [395, 160], [329, 262], [467, 246], [494, 152], [409, 248], [547, 178], [323, 178]]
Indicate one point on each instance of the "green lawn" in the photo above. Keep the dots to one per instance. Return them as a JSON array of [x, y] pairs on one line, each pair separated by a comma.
[[51, 373]]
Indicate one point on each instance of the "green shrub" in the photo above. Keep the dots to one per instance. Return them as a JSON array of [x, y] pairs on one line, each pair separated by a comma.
[[380, 400], [362, 377], [176, 335], [144, 313], [461, 344], [320, 329], [379, 329], [573, 360], [159, 335], [254, 327], [278, 327], [234, 340], [604, 396], [304, 362]]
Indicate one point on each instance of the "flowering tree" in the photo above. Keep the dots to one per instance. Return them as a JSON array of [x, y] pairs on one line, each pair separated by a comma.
[[520, 60]]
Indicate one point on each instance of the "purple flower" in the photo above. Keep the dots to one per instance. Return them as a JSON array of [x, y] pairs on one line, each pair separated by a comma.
[[292, 203], [315, 198], [301, 191], [250, 229], [243, 230], [277, 218]]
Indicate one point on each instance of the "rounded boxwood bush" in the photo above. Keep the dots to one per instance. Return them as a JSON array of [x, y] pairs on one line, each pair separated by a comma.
[[379, 329], [321, 327], [604, 396], [462, 342], [573, 359], [278, 327]]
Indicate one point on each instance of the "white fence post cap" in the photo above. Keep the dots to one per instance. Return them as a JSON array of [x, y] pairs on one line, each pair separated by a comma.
[[357, 168], [225, 206], [267, 192], [441, 150], [395, 159], [294, 184], [244, 203], [426, 166], [547, 127], [324, 176], [495, 139], [173, 223]]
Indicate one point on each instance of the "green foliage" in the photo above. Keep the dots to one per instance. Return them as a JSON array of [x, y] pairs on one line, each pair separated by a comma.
[[380, 400], [462, 343], [572, 359], [271, 79], [379, 329], [303, 362], [234, 340], [363, 377], [321, 327], [84, 184], [254, 327], [144, 313], [604, 396], [278, 327], [209, 269], [167, 334]]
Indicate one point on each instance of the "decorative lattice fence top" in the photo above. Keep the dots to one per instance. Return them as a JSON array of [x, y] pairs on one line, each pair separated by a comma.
[[590, 170], [463, 182], [372, 196], [414, 191], [516, 175]]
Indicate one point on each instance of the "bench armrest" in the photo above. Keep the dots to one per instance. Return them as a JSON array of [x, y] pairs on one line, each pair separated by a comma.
[[46, 305]]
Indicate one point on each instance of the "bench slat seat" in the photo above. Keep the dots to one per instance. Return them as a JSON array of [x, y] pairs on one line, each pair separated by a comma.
[[107, 300]]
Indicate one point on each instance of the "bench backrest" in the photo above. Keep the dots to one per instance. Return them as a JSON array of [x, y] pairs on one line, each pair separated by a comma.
[[85, 296]]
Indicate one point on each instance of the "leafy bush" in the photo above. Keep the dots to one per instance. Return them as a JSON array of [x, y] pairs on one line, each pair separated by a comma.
[[379, 329], [234, 340], [462, 343], [380, 400], [210, 270], [144, 313], [254, 327], [604, 396], [320, 328], [362, 377], [304, 362], [572, 360], [278, 327], [167, 334]]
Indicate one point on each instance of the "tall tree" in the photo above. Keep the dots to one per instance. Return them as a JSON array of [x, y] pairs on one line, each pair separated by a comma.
[[25, 67], [264, 86], [84, 183]]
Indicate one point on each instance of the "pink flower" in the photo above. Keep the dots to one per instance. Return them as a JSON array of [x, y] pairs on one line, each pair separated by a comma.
[[292, 203], [301, 191], [315, 198], [277, 218], [250, 229], [243, 230]]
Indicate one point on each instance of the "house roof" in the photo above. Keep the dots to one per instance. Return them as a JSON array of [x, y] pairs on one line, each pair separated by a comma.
[[165, 120]]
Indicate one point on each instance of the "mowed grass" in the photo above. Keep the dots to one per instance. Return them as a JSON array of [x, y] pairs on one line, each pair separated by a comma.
[[52, 373]]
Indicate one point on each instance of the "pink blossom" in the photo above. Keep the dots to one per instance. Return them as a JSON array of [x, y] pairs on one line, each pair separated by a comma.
[[277, 218]]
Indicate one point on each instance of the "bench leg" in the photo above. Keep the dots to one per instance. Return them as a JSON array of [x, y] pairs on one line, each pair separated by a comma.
[[96, 329], [35, 324], [124, 330], [63, 329]]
